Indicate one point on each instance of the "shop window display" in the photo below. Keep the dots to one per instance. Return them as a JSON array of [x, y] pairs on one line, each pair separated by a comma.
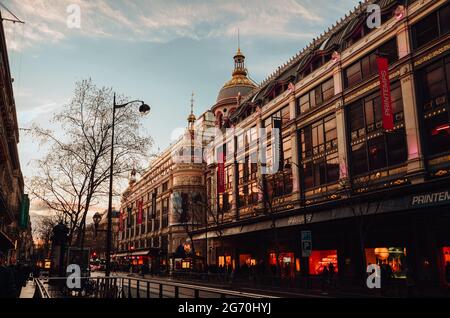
[[390, 259], [446, 258], [321, 259]]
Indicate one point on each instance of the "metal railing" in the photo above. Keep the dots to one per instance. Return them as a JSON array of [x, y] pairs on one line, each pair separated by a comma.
[[40, 291], [129, 287]]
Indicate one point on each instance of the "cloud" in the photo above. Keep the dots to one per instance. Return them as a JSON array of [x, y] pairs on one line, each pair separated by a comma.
[[160, 21]]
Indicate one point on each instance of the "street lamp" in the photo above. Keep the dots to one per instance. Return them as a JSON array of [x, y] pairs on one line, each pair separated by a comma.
[[144, 109], [97, 218]]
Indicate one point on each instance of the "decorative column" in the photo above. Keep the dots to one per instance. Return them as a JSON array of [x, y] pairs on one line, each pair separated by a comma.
[[341, 126], [411, 117]]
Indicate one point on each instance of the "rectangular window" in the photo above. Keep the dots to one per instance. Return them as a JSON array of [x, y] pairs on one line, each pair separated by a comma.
[[371, 147], [367, 67], [433, 84], [425, 31], [319, 153], [316, 97]]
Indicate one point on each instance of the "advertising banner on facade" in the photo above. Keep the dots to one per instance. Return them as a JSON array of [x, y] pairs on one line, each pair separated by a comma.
[[121, 221], [139, 215], [385, 93], [220, 171]]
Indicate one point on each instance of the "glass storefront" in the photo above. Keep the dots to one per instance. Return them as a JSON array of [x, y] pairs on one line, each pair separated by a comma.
[[286, 262], [390, 259], [321, 259]]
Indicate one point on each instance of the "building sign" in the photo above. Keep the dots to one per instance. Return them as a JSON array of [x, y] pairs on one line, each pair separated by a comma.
[[139, 216], [385, 87], [129, 211], [306, 243], [278, 159], [429, 199], [24, 212], [220, 171], [121, 227]]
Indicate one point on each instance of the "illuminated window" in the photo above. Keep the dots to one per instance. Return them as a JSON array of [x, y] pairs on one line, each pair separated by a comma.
[[321, 259], [186, 265], [390, 259]]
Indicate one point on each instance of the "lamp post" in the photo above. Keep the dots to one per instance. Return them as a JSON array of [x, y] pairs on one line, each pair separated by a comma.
[[143, 109]]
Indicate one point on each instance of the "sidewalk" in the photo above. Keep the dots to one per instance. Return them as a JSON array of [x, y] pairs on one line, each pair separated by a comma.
[[273, 291], [28, 290]]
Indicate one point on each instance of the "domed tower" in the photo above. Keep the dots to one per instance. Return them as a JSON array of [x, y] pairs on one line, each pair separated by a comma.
[[239, 86]]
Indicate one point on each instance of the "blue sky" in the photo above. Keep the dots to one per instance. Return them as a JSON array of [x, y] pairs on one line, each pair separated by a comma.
[[158, 51]]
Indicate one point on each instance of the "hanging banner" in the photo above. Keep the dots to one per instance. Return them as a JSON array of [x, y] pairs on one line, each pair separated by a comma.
[[121, 221], [220, 171], [129, 211], [139, 216], [385, 93]]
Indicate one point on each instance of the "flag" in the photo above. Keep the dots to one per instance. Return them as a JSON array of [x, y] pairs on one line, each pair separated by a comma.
[[220, 171], [385, 87], [121, 221], [139, 216]]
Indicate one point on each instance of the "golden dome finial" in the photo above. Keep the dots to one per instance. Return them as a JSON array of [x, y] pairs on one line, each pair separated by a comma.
[[191, 117]]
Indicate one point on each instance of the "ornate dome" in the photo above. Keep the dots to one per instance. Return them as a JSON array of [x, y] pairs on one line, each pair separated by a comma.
[[239, 83]]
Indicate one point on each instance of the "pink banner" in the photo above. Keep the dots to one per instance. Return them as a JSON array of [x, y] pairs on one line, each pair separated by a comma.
[[220, 172], [139, 216], [385, 87]]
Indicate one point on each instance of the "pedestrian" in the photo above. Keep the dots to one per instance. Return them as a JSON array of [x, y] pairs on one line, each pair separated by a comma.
[[332, 271], [325, 277], [18, 271], [7, 281]]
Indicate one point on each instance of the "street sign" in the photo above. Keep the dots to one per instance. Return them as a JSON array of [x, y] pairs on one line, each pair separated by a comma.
[[306, 243]]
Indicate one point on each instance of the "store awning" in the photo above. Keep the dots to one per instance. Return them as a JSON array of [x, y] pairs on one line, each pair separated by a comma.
[[147, 252], [5, 242]]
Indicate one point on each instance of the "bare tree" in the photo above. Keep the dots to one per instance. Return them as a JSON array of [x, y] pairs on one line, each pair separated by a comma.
[[43, 230], [73, 175]]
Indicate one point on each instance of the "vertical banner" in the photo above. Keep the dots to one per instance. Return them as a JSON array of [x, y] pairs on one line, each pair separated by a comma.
[[139, 216], [385, 93], [277, 147], [220, 170], [129, 211], [121, 221]]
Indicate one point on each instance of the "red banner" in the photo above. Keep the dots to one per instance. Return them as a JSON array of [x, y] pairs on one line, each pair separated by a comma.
[[220, 172], [385, 92], [139, 216], [121, 227]]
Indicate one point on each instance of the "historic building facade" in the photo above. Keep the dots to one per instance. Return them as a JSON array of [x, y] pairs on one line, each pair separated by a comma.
[[160, 210], [366, 194], [15, 228], [307, 151]]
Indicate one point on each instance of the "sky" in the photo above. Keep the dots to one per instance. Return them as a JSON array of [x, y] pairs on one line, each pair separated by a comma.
[[159, 51]]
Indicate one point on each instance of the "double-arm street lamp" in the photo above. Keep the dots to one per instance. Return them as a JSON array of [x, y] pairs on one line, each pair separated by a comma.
[[143, 109]]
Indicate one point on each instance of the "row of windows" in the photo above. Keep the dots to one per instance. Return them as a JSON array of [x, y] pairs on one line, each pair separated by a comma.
[[316, 97], [155, 242], [430, 28]]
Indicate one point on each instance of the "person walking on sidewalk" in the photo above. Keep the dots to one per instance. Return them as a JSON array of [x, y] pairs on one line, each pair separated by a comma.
[[325, 277], [7, 281]]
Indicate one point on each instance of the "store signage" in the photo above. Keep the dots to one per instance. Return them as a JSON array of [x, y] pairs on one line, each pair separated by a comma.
[[385, 87], [220, 171], [306, 243], [139, 216], [435, 198], [121, 227]]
